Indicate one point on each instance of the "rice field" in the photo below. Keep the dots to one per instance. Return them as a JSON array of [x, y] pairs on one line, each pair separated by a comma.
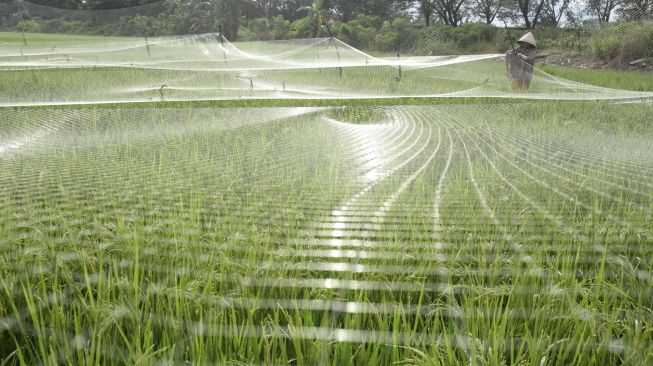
[[54, 70], [459, 233]]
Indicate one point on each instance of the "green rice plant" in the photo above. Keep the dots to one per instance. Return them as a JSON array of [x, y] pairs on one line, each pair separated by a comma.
[[274, 235], [348, 229]]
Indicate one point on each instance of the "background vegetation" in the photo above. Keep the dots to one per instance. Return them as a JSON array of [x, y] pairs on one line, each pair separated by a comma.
[[615, 32]]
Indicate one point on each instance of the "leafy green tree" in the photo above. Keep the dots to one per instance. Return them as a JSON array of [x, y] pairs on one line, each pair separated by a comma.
[[553, 11], [111, 4], [451, 12], [396, 35], [268, 8], [636, 9], [204, 16], [288, 9], [530, 11], [426, 8], [602, 9], [60, 4], [359, 32], [489, 10], [387, 9]]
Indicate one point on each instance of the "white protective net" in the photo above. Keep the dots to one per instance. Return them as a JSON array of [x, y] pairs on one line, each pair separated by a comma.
[[208, 67], [277, 233], [476, 231]]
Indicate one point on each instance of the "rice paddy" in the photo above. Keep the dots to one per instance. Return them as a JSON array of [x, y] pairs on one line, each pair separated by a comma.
[[464, 232]]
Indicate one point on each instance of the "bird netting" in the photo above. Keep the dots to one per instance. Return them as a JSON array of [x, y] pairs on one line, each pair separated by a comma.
[[208, 67], [301, 233], [479, 230]]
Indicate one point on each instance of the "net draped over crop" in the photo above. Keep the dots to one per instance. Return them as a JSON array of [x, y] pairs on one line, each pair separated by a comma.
[[468, 231], [208, 67]]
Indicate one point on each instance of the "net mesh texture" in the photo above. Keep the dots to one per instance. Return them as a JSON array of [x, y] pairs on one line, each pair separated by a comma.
[[514, 229]]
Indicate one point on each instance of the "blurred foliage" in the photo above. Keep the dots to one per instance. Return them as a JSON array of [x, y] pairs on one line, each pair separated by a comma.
[[382, 27], [624, 42]]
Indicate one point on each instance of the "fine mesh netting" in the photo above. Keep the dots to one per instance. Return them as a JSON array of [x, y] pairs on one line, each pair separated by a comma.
[[257, 223], [27, 10], [208, 67], [277, 234]]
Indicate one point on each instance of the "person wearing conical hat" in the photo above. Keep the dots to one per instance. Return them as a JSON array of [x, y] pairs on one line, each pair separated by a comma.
[[520, 61]]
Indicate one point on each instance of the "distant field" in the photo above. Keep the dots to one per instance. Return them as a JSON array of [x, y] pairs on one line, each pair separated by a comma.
[[16, 39], [87, 70], [627, 80]]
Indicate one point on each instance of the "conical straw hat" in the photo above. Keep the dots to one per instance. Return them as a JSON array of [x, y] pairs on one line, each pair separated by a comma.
[[528, 38]]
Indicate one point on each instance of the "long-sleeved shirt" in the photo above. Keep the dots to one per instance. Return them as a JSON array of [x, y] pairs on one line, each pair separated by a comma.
[[519, 64]]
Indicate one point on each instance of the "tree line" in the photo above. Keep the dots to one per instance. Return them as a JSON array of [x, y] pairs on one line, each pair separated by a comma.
[[383, 25], [612, 31], [527, 13]]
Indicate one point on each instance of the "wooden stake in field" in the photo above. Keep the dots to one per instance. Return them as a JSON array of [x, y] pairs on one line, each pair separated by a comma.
[[398, 78], [147, 46], [221, 39], [161, 92]]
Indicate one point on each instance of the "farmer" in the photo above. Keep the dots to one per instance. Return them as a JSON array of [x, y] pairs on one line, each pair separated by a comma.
[[519, 62]]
